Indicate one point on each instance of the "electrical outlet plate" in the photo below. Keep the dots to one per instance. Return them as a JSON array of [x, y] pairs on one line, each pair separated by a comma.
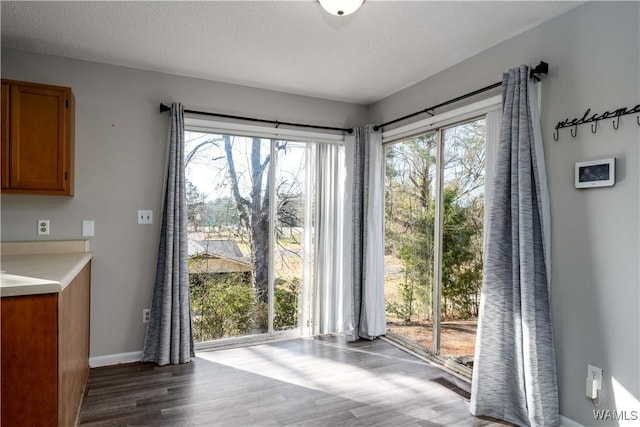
[[595, 373], [145, 217], [44, 227], [146, 314]]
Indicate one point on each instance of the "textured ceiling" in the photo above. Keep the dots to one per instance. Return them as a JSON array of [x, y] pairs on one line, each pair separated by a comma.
[[290, 46]]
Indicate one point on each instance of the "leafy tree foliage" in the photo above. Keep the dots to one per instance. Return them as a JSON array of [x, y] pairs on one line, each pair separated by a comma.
[[461, 268], [411, 222], [224, 213], [410, 208]]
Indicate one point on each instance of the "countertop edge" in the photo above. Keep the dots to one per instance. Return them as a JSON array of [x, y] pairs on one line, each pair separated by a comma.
[[28, 290], [75, 270], [46, 285]]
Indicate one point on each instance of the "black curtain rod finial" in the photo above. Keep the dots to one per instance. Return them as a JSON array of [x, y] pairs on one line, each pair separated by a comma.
[[164, 108], [541, 68]]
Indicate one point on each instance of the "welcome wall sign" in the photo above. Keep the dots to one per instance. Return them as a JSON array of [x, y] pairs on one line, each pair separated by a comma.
[[588, 118]]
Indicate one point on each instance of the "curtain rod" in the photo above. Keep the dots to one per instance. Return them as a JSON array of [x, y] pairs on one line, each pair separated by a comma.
[[541, 68], [164, 108]]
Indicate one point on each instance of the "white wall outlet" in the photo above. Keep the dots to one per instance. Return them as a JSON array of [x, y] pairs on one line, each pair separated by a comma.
[[44, 227], [594, 380], [145, 217], [146, 314], [88, 228]]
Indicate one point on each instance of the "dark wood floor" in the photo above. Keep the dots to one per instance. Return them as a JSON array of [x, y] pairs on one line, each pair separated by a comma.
[[318, 381]]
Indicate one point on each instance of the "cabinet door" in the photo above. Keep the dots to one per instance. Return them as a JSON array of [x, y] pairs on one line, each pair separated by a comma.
[[29, 350], [4, 146], [40, 128]]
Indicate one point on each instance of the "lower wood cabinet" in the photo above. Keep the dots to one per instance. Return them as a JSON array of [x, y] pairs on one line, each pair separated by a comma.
[[45, 355]]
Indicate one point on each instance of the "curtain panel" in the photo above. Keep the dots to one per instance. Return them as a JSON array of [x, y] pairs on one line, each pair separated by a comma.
[[329, 238], [364, 310], [169, 337], [514, 366]]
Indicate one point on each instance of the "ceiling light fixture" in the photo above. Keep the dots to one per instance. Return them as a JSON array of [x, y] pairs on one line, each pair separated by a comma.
[[341, 7]]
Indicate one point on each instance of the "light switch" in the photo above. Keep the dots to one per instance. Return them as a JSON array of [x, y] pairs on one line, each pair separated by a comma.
[[87, 228]]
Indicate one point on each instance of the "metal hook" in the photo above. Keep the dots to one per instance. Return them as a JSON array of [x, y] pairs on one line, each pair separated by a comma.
[[616, 123], [573, 134], [594, 127], [638, 119], [555, 135]]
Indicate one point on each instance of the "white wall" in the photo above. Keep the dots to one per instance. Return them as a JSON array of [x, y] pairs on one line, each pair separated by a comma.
[[593, 52], [120, 150]]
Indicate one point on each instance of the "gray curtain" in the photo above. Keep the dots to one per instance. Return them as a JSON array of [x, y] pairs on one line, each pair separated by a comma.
[[169, 338], [364, 311], [514, 376]]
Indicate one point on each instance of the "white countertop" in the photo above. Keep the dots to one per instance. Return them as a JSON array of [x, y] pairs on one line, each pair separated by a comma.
[[39, 273]]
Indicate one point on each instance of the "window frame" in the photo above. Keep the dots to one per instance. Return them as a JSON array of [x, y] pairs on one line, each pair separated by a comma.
[[196, 123], [446, 119], [490, 110], [193, 123]]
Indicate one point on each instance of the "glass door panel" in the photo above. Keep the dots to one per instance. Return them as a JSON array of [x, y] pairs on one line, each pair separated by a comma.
[[294, 192], [228, 227], [409, 237], [464, 153], [434, 221], [250, 239]]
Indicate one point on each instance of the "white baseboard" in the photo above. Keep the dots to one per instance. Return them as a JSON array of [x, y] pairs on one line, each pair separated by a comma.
[[568, 422], [115, 359]]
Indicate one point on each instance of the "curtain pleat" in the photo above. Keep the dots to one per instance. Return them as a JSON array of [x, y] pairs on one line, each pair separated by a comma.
[[514, 366], [329, 238], [169, 337], [364, 311]]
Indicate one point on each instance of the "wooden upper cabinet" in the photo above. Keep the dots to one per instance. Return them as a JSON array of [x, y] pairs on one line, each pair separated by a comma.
[[4, 147], [37, 138]]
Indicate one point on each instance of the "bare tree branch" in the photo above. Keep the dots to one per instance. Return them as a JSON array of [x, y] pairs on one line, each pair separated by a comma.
[[189, 157], [240, 201]]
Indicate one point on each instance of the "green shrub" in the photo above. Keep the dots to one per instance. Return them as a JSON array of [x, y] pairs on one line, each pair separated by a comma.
[[222, 308], [286, 305], [226, 305], [404, 309]]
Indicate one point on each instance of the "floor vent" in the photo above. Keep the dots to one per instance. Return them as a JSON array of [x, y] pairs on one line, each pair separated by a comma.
[[453, 387]]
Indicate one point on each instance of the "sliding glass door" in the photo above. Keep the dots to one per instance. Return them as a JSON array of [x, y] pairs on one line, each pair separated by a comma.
[[462, 210], [293, 237], [434, 220], [410, 207], [248, 212]]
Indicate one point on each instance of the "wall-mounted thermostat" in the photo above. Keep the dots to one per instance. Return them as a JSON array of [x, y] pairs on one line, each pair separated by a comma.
[[596, 173]]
